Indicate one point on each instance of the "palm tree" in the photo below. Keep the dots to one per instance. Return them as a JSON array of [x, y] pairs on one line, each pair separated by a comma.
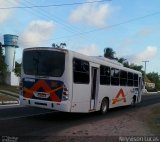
[[62, 45], [122, 60], [109, 53]]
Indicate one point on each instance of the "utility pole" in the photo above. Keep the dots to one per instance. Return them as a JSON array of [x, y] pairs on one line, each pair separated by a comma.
[[145, 62]]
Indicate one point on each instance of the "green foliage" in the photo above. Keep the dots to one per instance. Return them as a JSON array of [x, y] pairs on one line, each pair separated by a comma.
[[109, 53], [3, 66], [62, 45], [121, 60], [150, 89], [136, 67], [17, 69], [154, 77]]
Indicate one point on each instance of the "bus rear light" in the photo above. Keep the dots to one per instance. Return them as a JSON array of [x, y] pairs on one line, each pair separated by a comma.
[[65, 93], [20, 87]]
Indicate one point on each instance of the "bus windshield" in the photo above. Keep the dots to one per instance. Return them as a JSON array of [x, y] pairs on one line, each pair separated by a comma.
[[43, 63]]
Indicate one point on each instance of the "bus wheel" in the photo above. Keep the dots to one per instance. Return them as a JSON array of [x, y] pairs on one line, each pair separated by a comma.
[[134, 100], [104, 106]]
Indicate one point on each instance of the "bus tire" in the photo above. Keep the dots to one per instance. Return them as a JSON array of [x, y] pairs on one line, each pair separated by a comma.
[[104, 106], [134, 100]]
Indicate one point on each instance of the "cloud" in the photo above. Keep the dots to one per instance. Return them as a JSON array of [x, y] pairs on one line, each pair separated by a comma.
[[145, 32], [91, 50], [6, 13], [36, 33], [149, 53], [92, 14]]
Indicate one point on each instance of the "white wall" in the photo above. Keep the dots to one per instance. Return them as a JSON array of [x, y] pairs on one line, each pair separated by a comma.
[[10, 58], [12, 79]]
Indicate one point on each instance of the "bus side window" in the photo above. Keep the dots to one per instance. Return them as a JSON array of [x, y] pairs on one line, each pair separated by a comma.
[[105, 75], [136, 80], [80, 71], [130, 79], [123, 78], [114, 76]]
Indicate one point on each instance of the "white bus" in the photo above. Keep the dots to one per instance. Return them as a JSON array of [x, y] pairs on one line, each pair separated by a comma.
[[63, 80]]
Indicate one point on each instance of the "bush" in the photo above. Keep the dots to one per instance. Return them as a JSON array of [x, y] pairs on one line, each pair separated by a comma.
[[151, 89]]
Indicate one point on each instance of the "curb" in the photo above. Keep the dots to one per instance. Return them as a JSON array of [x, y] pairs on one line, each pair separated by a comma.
[[3, 103], [9, 93]]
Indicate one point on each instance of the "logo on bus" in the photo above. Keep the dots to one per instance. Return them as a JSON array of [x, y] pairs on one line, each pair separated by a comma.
[[120, 97], [46, 90]]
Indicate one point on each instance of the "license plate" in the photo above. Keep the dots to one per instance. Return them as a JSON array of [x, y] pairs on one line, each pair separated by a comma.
[[41, 95]]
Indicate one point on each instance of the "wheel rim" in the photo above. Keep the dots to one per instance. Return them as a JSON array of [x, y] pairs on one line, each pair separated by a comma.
[[104, 107]]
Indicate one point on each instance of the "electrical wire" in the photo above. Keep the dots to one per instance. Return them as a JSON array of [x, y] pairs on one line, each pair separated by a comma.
[[60, 21], [53, 5], [106, 27]]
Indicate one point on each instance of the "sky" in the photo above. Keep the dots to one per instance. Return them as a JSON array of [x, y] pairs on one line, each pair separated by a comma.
[[130, 27]]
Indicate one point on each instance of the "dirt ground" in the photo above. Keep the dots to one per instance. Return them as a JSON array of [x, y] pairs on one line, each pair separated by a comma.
[[132, 123]]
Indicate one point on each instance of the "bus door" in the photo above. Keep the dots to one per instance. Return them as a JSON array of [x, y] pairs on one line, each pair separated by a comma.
[[140, 89], [94, 87]]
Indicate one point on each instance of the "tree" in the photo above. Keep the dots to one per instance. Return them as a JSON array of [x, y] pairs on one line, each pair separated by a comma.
[[136, 67], [17, 69], [121, 60], [3, 66], [109, 53], [62, 45], [154, 77]]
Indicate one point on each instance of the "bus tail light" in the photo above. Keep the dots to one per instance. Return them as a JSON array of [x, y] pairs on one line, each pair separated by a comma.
[[65, 93], [20, 86]]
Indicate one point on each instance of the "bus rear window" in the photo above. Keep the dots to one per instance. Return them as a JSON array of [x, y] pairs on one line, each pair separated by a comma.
[[43, 63]]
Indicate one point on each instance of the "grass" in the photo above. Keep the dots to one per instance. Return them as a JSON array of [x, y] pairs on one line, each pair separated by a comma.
[[14, 89], [4, 97], [154, 120]]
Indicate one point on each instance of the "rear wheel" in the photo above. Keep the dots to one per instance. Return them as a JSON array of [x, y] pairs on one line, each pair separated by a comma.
[[134, 100], [104, 106]]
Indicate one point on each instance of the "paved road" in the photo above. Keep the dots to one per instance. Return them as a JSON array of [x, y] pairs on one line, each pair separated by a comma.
[[35, 123]]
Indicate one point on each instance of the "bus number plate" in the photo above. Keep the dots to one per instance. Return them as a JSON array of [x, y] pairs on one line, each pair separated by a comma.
[[41, 95]]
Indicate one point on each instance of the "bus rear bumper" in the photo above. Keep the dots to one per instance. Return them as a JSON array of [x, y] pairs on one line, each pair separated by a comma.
[[59, 106]]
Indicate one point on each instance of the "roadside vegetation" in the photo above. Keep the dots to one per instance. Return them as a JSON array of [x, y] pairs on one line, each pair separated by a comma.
[[14, 89], [5, 98], [152, 77]]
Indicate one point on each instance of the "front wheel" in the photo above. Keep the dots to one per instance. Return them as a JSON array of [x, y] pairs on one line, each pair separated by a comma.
[[104, 106]]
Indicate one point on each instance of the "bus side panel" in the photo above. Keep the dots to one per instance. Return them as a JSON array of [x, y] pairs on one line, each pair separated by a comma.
[[81, 98], [118, 96]]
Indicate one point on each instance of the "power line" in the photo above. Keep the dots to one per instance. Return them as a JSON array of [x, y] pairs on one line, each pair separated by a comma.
[[106, 27], [53, 5], [121, 23], [58, 20]]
